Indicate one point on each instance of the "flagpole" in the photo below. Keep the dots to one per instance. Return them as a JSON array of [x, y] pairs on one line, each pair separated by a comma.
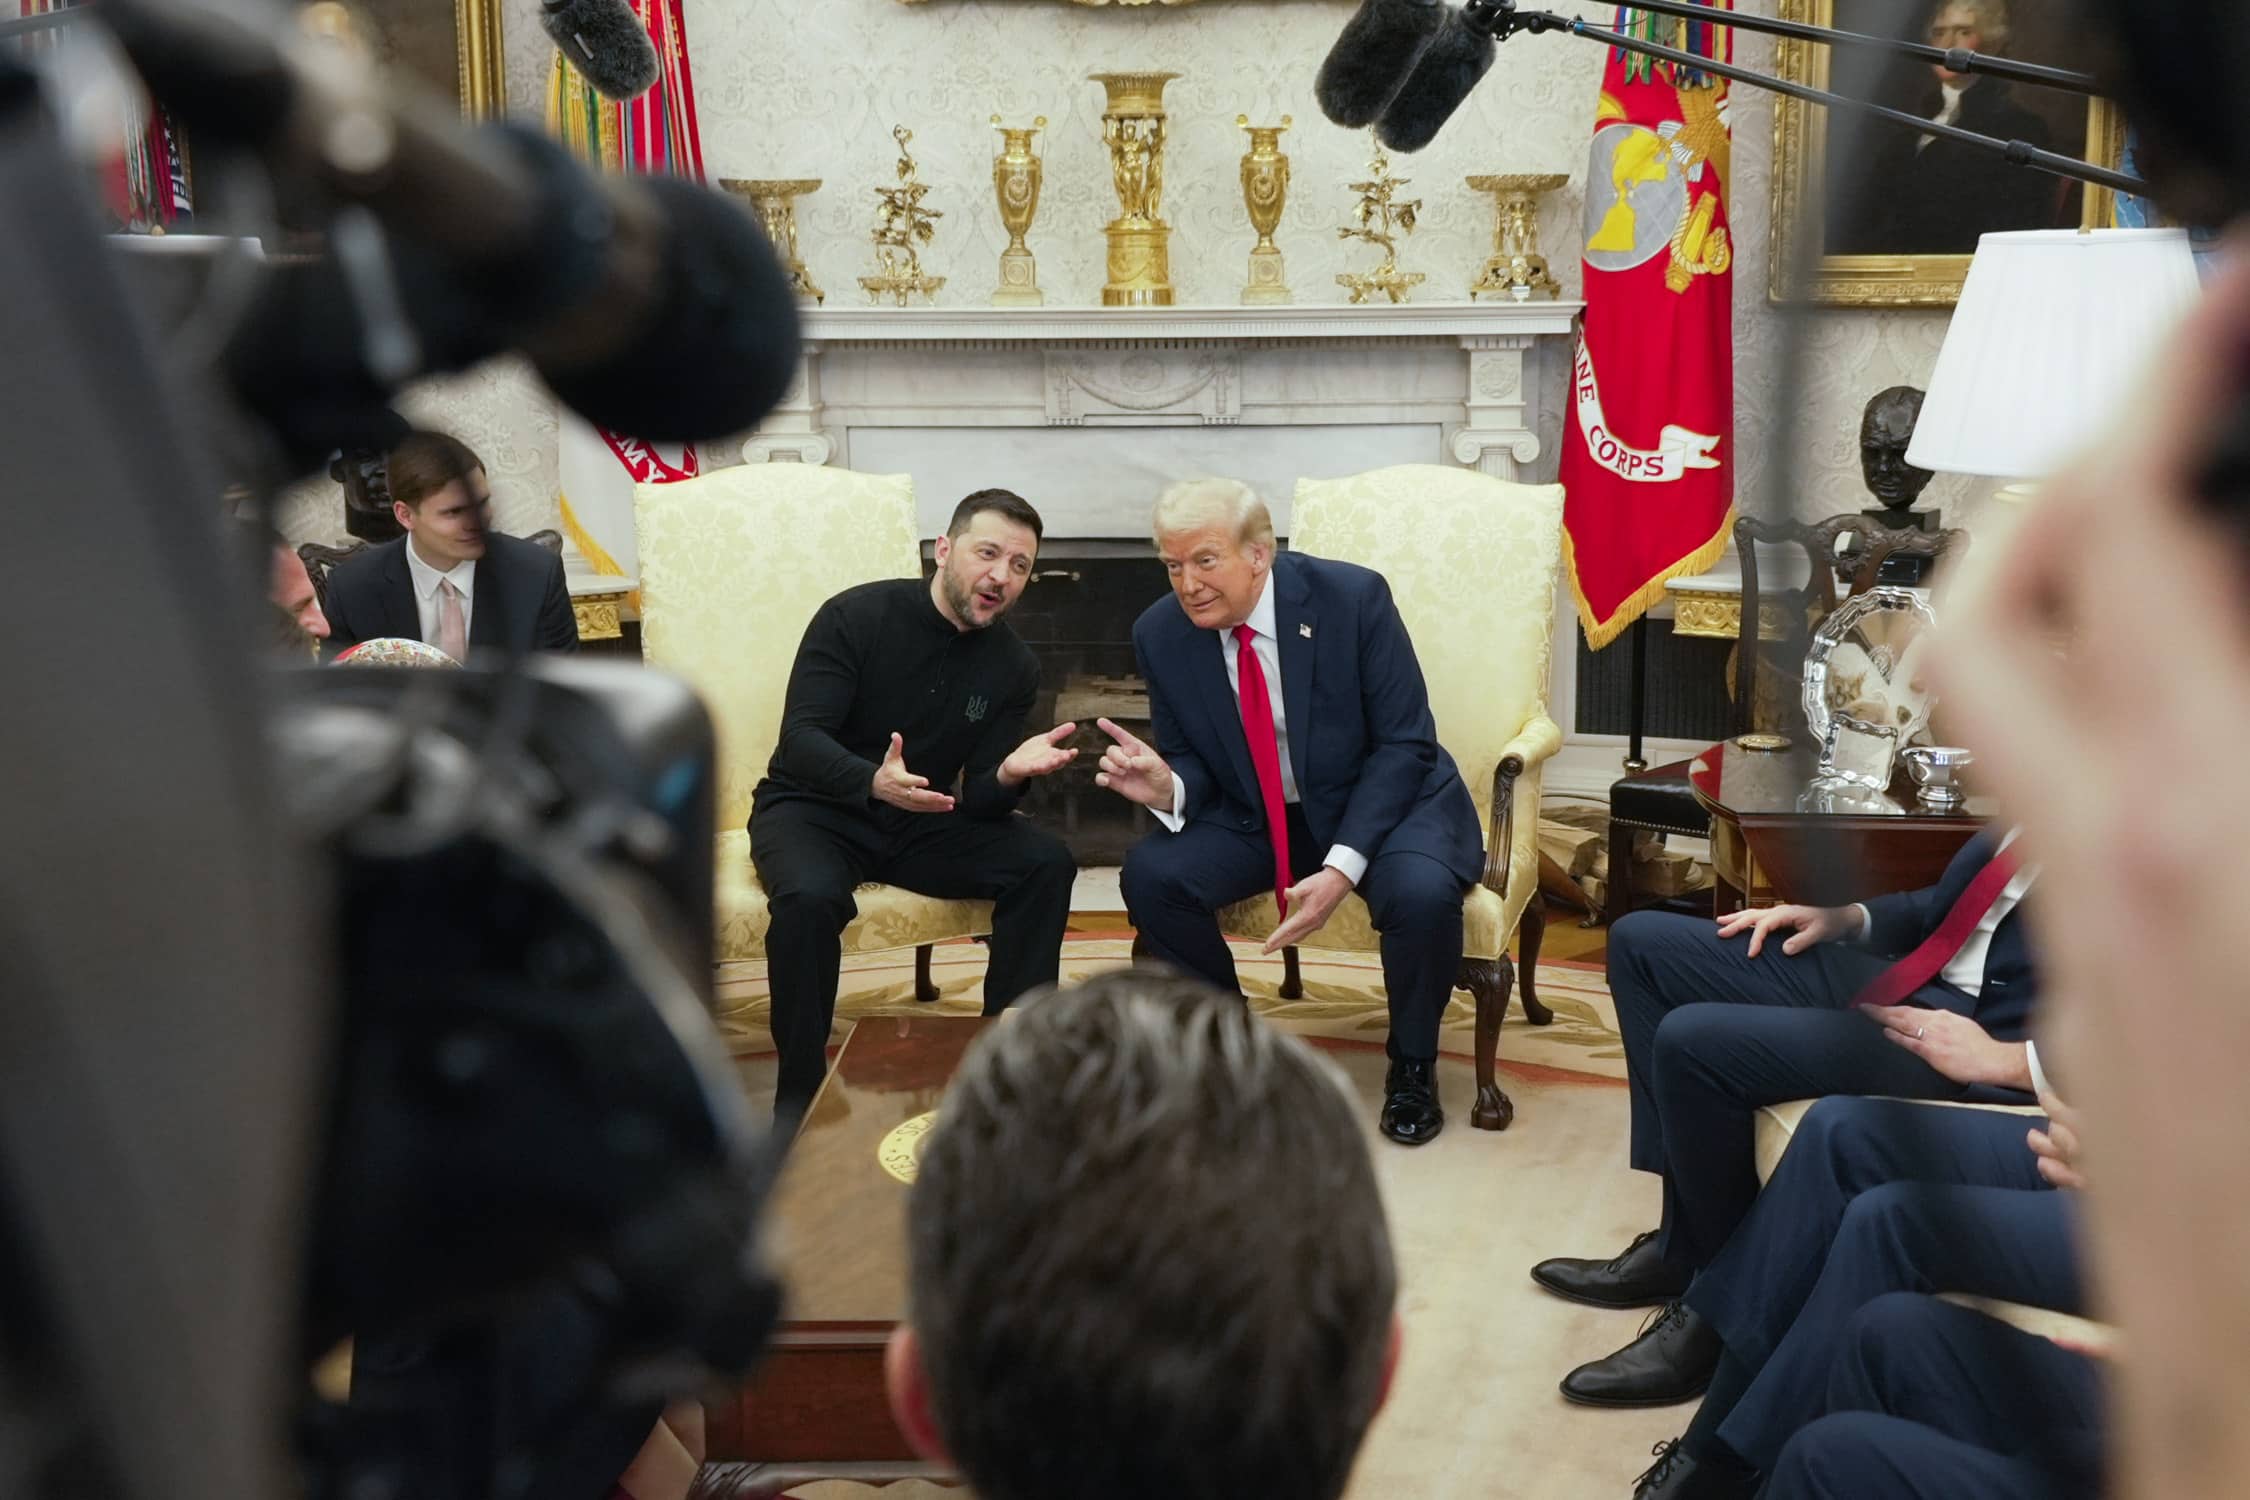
[[1500, 19]]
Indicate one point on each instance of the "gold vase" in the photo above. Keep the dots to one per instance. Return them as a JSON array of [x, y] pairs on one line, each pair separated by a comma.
[[1140, 242], [1265, 189], [1516, 268], [774, 200], [1016, 174]]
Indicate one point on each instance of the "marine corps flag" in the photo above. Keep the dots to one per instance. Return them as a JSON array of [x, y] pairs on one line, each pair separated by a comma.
[[1648, 439]]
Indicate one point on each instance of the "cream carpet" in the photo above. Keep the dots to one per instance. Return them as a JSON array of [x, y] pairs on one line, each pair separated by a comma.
[[1474, 1414]]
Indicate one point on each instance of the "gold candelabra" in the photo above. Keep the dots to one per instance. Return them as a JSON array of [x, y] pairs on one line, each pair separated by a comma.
[[774, 200], [1265, 190], [1379, 218], [901, 225], [1516, 268], [1016, 174], [1140, 265]]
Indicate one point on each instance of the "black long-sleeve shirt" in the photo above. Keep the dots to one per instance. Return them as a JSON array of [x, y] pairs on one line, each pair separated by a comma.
[[880, 658]]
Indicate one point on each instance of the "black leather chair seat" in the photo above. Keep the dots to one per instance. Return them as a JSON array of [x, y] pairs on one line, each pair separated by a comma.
[[1659, 799]]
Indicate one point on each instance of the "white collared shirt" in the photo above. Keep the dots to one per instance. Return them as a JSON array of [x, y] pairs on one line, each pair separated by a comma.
[[1265, 640], [1965, 970], [1948, 112], [426, 580]]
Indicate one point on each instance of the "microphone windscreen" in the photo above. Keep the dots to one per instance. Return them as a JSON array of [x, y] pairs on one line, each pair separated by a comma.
[[605, 41], [1373, 57], [1448, 72], [721, 346]]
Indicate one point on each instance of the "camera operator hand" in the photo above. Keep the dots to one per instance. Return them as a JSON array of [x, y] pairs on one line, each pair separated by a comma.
[[902, 788], [2106, 691]]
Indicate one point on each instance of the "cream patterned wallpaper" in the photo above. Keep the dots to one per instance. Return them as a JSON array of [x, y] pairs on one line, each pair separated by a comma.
[[791, 89]]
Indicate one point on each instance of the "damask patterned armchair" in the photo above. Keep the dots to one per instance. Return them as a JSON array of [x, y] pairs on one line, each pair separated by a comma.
[[733, 566], [1471, 561]]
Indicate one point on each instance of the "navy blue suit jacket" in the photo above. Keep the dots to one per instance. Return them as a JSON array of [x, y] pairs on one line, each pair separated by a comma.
[[522, 599], [1362, 746], [1897, 924]]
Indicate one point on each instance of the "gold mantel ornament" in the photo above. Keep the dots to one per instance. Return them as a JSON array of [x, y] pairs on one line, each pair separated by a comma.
[[1016, 174], [1516, 268], [774, 199], [1379, 218], [1265, 190], [902, 224], [1140, 263]]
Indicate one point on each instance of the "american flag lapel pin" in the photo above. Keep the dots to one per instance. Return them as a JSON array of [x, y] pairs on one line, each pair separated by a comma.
[[1305, 631]]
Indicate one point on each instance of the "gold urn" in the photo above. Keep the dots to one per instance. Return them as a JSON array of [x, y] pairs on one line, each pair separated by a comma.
[[1265, 190], [1140, 253], [1016, 174]]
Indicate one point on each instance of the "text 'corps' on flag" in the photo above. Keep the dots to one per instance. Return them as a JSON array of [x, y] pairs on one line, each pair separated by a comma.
[[1648, 436]]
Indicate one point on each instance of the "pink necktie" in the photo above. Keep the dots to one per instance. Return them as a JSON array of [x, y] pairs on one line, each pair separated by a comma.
[[1928, 961], [1265, 754], [452, 630]]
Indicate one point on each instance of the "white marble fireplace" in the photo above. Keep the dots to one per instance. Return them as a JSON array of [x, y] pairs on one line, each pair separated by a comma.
[[1090, 412]]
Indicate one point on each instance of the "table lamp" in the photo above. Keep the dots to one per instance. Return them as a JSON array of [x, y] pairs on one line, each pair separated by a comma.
[[2054, 327]]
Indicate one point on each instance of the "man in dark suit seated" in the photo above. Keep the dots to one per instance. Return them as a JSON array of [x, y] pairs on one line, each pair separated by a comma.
[[1922, 995], [1295, 753], [451, 581], [1146, 1258], [1873, 1197]]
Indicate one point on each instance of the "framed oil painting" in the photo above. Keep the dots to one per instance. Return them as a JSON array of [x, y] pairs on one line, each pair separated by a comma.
[[1895, 225], [451, 46]]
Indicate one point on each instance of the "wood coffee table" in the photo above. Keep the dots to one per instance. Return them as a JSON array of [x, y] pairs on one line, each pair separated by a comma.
[[815, 1409]]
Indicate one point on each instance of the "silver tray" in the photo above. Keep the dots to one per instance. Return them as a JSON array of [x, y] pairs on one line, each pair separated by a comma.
[[1865, 660]]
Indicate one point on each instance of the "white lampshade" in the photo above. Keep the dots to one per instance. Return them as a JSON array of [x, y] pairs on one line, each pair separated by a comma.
[[2054, 327]]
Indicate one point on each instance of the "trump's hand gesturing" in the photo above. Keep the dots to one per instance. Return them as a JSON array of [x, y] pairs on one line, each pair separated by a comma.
[[1134, 771]]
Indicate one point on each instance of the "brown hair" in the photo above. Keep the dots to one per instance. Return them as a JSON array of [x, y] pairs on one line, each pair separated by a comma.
[[1006, 503], [422, 463]]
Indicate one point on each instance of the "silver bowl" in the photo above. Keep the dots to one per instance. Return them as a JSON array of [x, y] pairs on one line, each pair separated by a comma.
[[1936, 770]]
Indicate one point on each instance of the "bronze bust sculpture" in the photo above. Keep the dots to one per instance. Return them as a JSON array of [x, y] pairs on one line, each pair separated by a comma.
[[1885, 429]]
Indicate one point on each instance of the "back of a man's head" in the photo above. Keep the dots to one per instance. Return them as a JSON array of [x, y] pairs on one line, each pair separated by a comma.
[[1148, 1257]]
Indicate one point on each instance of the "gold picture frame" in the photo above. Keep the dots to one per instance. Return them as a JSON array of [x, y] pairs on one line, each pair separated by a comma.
[[467, 60], [1801, 202]]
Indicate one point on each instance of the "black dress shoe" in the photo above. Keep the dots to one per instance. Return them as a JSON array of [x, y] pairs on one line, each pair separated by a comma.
[[1411, 1115], [1634, 1277], [1672, 1361], [1679, 1475]]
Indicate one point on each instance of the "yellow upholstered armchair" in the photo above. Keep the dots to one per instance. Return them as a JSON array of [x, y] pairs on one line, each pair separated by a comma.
[[733, 566], [1471, 562]]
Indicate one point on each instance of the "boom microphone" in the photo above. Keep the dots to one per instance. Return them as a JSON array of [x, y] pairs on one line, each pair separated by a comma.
[[1374, 57], [1449, 70], [605, 41]]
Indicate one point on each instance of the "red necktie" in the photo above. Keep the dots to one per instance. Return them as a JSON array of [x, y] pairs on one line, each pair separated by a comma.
[[1265, 754], [1938, 949]]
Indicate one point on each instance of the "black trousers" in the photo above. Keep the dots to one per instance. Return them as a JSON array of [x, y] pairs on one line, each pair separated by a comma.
[[811, 854], [1928, 1401], [1711, 1035], [1175, 883]]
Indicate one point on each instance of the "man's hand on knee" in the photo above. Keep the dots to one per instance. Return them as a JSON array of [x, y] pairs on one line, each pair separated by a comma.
[[1806, 925]]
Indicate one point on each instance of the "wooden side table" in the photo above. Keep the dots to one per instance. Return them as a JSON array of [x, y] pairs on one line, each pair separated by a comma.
[[1824, 845]]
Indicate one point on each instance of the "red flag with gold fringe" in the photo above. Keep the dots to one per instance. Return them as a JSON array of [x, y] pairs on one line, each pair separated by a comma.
[[1648, 439]]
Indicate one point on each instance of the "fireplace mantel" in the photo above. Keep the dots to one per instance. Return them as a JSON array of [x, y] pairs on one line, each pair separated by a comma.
[[1454, 375]]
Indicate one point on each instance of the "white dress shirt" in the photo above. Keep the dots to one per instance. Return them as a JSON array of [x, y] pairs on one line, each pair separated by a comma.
[[1948, 112], [426, 581], [1965, 971], [1266, 642]]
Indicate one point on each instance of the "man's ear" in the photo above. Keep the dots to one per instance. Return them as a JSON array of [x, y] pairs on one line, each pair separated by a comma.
[[909, 1389], [403, 513], [1390, 1361], [941, 549]]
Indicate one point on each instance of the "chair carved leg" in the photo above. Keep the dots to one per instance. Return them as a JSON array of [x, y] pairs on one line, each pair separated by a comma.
[[1489, 979], [1531, 932], [1618, 899], [925, 988], [1292, 982]]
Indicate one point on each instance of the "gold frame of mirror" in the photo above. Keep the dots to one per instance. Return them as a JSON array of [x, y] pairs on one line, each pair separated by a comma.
[[1800, 148]]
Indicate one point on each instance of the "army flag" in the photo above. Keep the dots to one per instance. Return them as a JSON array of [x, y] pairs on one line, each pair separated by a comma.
[[1648, 434]]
